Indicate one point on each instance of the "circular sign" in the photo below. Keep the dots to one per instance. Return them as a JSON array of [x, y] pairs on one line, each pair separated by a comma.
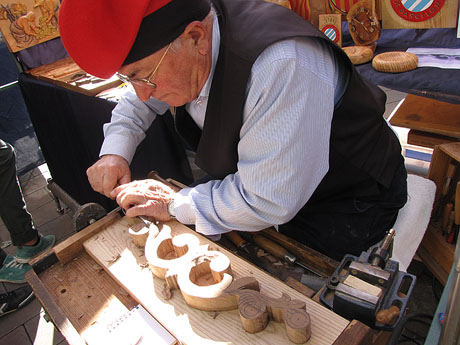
[[417, 10], [331, 32]]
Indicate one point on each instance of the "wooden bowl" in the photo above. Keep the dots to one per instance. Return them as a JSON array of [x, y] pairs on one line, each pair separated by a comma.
[[359, 54], [395, 62]]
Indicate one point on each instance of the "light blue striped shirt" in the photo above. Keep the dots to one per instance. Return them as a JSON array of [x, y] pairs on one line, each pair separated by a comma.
[[284, 141]]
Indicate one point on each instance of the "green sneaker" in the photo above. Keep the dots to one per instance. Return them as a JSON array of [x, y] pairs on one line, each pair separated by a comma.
[[25, 254], [13, 271], [12, 301]]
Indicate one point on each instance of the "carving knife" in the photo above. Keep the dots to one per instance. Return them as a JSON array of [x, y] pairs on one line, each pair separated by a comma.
[[280, 252]]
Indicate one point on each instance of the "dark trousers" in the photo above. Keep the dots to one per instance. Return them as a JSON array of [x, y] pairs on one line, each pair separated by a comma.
[[2, 257], [12, 206], [354, 226]]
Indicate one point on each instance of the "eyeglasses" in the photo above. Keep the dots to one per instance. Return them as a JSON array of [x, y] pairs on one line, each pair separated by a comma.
[[144, 81]]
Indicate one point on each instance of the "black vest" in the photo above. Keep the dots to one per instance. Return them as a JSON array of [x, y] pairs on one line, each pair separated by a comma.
[[364, 151]]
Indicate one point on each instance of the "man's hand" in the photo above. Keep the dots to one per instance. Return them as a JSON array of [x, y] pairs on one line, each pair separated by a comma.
[[145, 198], [107, 173]]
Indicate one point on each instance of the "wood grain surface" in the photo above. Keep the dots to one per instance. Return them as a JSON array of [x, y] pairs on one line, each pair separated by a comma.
[[445, 18], [113, 249], [428, 115]]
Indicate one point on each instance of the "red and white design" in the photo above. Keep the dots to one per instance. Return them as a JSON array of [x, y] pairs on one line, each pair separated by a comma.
[[417, 10], [331, 32]]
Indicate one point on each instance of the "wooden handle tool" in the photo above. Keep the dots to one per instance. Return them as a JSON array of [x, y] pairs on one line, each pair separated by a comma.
[[273, 248], [446, 216], [454, 233], [279, 252], [236, 239], [451, 169], [250, 252]]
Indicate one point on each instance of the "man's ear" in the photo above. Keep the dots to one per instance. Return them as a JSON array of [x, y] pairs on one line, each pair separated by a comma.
[[198, 33]]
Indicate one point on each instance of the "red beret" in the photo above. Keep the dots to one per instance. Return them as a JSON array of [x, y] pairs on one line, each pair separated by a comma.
[[101, 36]]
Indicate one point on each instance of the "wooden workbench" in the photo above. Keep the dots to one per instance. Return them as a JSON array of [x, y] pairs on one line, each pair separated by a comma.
[[76, 292]]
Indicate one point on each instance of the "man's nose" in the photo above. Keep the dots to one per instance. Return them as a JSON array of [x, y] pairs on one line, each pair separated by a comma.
[[143, 92]]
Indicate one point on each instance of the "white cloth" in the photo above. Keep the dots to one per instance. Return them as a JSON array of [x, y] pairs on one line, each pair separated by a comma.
[[413, 219]]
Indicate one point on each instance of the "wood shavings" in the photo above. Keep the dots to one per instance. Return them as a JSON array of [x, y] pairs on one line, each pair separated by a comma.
[[143, 265], [213, 315], [113, 259], [166, 292]]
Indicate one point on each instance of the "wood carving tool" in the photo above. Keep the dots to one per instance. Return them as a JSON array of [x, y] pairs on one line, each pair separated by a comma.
[[445, 217], [453, 235], [280, 252], [362, 287], [445, 189], [249, 251]]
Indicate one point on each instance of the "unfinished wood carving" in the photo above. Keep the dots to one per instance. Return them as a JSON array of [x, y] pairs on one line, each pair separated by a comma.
[[205, 280], [139, 232]]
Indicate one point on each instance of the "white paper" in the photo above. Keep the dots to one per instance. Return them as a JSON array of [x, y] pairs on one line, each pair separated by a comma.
[[437, 57]]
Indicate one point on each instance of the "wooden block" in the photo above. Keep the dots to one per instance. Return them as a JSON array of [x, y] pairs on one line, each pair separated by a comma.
[[428, 115], [113, 249], [420, 15], [425, 139], [362, 285], [437, 253], [331, 26], [360, 54], [71, 247]]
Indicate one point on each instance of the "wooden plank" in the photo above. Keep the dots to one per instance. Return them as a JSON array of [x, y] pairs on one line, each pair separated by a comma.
[[446, 17], [436, 253], [126, 263], [311, 258], [298, 286], [73, 246], [425, 139], [82, 290], [58, 318], [428, 115], [356, 333], [452, 150]]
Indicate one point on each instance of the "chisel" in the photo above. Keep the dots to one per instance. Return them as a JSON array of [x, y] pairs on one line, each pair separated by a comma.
[[279, 252], [452, 236], [445, 189]]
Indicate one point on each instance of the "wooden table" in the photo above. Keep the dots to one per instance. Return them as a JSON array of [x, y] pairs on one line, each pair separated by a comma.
[[76, 291], [431, 122]]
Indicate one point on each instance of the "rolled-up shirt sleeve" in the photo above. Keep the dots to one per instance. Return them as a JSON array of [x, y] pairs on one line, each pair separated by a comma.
[[284, 144], [130, 120]]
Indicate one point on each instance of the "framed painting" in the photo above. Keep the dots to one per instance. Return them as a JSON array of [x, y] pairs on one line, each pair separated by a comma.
[[419, 14], [25, 23]]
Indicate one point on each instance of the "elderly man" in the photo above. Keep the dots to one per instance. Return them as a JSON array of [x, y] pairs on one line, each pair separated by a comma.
[[286, 130]]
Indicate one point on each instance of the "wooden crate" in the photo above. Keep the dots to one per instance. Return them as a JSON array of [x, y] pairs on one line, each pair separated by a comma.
[[437, 254], [67, 74]]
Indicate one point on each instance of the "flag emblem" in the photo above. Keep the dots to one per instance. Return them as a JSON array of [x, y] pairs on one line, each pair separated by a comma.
[[331, 32], [417, 10]]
